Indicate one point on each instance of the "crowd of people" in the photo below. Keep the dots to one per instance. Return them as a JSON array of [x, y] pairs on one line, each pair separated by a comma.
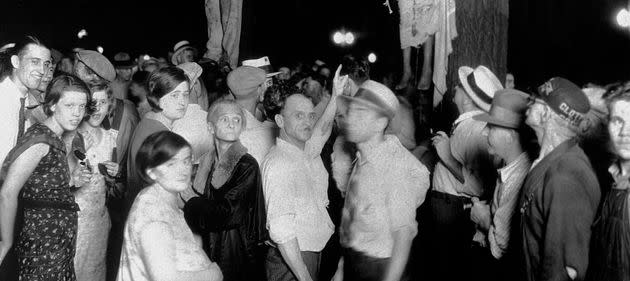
[[187, 169]]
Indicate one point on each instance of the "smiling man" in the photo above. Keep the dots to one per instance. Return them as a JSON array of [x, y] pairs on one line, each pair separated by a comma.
[[30, 61]]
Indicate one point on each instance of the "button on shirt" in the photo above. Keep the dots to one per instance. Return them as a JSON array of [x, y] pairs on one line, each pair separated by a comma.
[[470, 148], [386, 187], [295, 186], [10, 97]]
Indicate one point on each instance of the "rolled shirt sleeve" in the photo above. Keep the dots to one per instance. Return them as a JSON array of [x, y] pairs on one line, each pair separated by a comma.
[[277, 188], [405, 199]]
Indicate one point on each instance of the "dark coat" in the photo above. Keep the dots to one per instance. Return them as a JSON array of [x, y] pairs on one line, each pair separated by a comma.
[[559, 201], [231, 218]]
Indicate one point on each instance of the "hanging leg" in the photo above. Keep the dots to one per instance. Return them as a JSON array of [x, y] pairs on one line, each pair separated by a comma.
[[404, 81], [427, 64]]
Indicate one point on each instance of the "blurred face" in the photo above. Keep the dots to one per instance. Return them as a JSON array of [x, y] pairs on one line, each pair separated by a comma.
[[67, 65], [313, 89], [102, 102], [228, 124], [509, 81], [138, 91], [174, 174], [361, 122], [69, 110], [86, 74], [43, 84], [31, 66], [285, 73], [124, 73], [460, 98], [325, 71], [498, 140], [619, 128], [174, 104], [297, 118], [187, 56]]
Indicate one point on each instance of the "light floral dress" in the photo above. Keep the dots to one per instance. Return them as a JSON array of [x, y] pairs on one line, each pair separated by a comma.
[[94, 223], [418, 20], [149, 207]]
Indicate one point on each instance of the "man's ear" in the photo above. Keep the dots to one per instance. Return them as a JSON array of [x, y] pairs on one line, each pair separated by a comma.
[[279, 120], [15, 61], [211, 128]]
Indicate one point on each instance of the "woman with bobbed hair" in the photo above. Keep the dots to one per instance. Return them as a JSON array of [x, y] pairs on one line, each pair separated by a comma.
[[36, 173], [158, 244], [168, 96]]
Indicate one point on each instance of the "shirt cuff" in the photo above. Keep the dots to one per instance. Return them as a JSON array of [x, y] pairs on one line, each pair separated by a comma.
[[282, 229]]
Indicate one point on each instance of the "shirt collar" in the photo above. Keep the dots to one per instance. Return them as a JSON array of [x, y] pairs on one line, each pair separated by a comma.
[[467, 115], [514, 166], [289, 147], [621, 181], [14, 88], [376, 152]]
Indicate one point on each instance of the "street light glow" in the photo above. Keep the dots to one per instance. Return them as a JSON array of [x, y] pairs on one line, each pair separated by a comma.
[[372, 58], [338, 38], [349, 38], [623, 18], [100, 49], [82, 33]]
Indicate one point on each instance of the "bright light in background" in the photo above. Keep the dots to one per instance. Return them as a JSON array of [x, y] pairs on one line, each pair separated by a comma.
[[82, 33], [343, 38], [623, 18], [372, 58], [338, 38], [349, 38], [146, 57], [100, 49]]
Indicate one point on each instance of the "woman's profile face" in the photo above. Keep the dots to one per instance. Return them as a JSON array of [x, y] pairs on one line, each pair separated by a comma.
[[174, 175], [174, 103]]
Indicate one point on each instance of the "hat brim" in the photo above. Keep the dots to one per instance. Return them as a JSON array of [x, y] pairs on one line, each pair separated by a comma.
[[179, 51], [272, 74], [346, 100], [463, 73], [495, 122]]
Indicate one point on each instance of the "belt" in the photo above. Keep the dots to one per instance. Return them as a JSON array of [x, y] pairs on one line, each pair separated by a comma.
[[466, 202], [38, 204]]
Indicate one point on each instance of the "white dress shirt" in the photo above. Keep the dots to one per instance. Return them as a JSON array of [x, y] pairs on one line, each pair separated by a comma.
[[10, 97]]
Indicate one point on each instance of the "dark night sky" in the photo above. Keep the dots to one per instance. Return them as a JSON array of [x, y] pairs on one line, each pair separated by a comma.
[[575, 39]]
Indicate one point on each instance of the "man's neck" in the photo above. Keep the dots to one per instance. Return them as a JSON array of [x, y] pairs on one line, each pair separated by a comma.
[[249, 105], [624, 165], [299, 144], [371, 143], [19, 84], [513, 153], [550, 140]]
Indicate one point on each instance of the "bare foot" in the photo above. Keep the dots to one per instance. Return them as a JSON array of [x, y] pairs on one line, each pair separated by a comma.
[[404, 81]]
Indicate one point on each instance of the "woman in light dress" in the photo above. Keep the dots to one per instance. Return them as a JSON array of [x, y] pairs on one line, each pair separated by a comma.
[[94, 223], [158, 244]]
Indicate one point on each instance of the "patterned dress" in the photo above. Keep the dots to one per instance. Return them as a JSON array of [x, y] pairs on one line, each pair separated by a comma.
[[47, 232], [94, 223], [419, 19]]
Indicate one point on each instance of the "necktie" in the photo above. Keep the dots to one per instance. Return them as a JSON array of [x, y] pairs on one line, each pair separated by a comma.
[[22, 118]]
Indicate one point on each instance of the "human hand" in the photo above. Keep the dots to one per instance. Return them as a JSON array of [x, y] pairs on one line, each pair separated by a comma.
[[81, 175], [442, 145], [112, 168], [339, 83], [480, 213]]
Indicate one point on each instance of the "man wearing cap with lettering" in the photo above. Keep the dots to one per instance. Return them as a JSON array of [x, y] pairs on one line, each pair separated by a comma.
[[247, 84], [561, 193], [508, 141], [95, 69], [386, 187], [464, 170]]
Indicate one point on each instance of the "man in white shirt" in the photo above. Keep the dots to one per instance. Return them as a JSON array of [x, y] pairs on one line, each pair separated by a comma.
[[295, 185], [30, 60], [385, 188], [247, 84]]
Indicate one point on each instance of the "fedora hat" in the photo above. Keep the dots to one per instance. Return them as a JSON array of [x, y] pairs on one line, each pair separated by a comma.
[[262, 63], [375, 96], [480, 85], [507, 110]]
